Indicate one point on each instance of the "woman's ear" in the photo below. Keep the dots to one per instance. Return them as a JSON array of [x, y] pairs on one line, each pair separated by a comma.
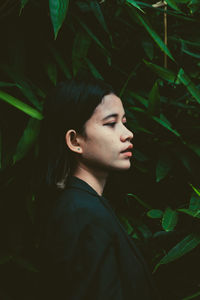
[[73, 141]]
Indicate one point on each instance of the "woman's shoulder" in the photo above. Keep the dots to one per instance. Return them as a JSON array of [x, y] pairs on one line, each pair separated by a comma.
[[80, 204]]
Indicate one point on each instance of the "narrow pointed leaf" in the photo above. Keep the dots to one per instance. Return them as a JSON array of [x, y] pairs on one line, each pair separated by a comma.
[[170, 219], [165, 124], [194, 214], [60, 61], [80, 49], [194, 202], [52, 72], [197, 191], [162, 72], [94, 37], [98, 14], [143, 21], [186, 245], [58, 10], [20, 105], [154, 100], [184, 78], [27, 140], [139, 201], [22, 5], [155, 213], [93, 69], [163, 167], [173, 4], [134, 3]]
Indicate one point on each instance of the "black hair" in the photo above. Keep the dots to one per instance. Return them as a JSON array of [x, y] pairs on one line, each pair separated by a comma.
[[68, 106]]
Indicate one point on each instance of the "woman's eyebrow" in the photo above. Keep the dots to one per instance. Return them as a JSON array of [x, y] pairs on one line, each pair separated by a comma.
[[112, 115]]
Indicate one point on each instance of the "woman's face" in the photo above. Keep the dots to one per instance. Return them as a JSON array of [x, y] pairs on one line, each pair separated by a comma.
[[106, 137]]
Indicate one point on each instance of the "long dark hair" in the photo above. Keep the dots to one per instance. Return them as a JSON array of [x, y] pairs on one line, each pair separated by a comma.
[[68, 106]]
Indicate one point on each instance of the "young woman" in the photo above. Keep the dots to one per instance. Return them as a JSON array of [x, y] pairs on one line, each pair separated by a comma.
[[86, 253]]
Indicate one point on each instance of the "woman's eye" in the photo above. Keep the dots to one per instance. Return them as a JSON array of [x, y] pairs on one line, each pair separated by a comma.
[[111, 124]]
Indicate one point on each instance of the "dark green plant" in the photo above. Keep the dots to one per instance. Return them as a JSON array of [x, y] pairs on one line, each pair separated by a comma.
[[121, 42]]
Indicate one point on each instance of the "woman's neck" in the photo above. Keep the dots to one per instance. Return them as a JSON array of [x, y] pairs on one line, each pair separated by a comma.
[[95, 179]]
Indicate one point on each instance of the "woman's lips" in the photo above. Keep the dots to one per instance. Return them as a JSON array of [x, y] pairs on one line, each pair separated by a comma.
[[127, 153]]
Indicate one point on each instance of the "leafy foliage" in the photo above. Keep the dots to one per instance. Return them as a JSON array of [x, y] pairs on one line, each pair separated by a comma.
[[122, 42]]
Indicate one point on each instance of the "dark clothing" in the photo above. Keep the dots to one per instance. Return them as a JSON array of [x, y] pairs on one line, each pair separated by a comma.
[[87, 254]]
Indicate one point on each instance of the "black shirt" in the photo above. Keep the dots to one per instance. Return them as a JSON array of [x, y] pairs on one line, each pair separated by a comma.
[[87, 254]]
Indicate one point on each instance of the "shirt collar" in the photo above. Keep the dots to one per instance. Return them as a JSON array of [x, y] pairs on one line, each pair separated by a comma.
[[80, 184]]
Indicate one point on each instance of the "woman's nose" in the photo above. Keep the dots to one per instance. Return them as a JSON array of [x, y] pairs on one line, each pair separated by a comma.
[[127, 135]]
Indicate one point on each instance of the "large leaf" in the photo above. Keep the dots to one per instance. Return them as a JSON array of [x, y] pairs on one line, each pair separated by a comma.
[[27, 140], [154, 100], [58, 10], [192, 213], [80, 49], [20, 105], [170, 219], [163, 73], [155, 213], [165, 123], [134, 3], [23, 85], [139, 201], [144, 22], [164, 165], [185, 246], [184, 78], [60, 61], [98, 14], [22, 4], [93, 69], [173, 4], [194, 202], [95, 38]]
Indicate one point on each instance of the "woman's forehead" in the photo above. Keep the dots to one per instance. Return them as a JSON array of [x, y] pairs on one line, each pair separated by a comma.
[[110, 104]]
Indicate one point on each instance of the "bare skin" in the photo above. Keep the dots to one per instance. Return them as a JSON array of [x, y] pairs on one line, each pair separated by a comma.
[[106, 137]]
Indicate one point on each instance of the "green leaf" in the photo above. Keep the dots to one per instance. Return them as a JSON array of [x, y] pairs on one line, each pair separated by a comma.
[[193, 296], [8, 84], [98, 14], [80, 49], [94, 37], [144, 22], [148, 48], [197, 191], [58, 11], [173, 4], [27, 140], [128, 227], [93, 69], [5, 258], [134, 3], [164, 73], [60, 61], [52, 72], [25, 264], [195, 214], [165, 123], [22, 5], [194, 202], [189, 84], [154, 100], [155, 213], [170, 219], [20, 105], [23, 85], [139, 201], [186, 245], [140, 98], [163, 167]]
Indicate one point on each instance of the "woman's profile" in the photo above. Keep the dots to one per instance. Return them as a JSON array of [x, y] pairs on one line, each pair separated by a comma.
[[85, 252]]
